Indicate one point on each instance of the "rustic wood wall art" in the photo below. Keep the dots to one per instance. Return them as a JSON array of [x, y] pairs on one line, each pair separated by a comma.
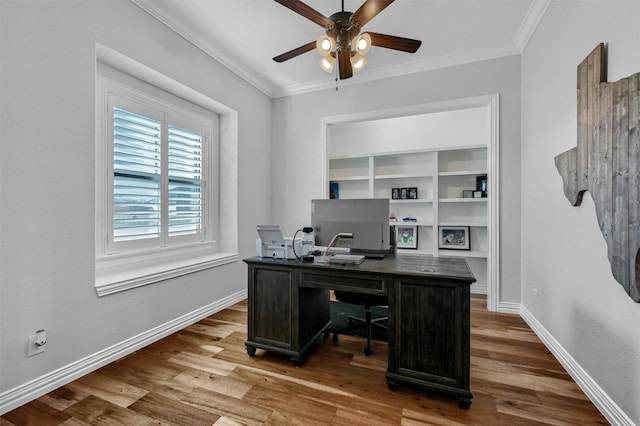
[[606, 162]]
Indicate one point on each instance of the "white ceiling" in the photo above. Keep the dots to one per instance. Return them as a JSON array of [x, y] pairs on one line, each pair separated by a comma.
[[245, 35]]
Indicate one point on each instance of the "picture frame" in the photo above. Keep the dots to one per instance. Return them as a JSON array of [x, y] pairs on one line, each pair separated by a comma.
[[404, 193], [395, 193], [453, 238], [407, 237], [334, 190], [413, 193], [481, 184]]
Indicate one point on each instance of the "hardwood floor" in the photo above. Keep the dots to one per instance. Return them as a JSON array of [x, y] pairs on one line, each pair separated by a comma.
[[202, 375]]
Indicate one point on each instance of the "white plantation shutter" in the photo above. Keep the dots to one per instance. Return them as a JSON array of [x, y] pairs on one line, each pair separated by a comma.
[[137, 174], [185, 182], [157, 179]]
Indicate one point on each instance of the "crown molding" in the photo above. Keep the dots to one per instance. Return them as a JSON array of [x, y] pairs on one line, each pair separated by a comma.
[[530, 23], [525, 32], [216, 53]]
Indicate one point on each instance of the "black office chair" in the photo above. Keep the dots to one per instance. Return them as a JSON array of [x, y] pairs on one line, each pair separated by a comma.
[[366, 300]]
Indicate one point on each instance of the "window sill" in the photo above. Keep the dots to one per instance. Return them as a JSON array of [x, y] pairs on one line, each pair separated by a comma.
[[115, 275]]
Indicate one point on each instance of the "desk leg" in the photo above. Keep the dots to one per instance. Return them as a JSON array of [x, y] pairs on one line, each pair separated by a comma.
[[464, 402]]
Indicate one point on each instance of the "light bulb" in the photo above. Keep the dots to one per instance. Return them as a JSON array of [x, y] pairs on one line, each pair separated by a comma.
[[362, 43], [325, 45]]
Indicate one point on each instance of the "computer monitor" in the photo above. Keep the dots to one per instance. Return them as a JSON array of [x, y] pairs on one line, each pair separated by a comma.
[[366, 219]]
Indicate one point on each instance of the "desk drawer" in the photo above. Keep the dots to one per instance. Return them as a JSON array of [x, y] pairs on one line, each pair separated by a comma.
[[360, 283]]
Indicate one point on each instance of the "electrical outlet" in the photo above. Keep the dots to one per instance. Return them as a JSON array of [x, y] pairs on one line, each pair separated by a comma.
[[37, 343], [535, 296]]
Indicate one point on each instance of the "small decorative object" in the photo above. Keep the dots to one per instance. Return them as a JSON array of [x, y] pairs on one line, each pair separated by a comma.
[[453, 237], [404, 193], [467, 193], [413, 193], [393, 218], [477, 194], [334, 190], [395, 193], [407, 236], [481, 184], [409, 219]]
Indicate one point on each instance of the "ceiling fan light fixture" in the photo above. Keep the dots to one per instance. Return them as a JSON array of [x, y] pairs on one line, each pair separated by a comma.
[[342, 47], [325, 45], [362, 43], [327, 63], [358, 62]]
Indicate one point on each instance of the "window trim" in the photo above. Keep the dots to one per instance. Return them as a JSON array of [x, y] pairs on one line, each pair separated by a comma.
[[119, 272]]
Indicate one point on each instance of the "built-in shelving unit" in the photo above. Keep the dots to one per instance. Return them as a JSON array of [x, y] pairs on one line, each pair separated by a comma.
[[440, 176]]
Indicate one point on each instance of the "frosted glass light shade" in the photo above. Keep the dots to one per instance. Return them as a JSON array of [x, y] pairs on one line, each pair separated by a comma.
[[358, 62], [362, 43], [325, 45], [327, 63]]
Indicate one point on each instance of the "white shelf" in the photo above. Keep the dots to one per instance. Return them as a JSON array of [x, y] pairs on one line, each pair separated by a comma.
[[463, 173], [462, 253], [403, 176], [462, 200], [460, 223], [411, 201], [417, 223], [348, 178], [410, 252]]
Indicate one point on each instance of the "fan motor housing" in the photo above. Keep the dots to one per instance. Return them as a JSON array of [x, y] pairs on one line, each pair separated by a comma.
[[343, 30]]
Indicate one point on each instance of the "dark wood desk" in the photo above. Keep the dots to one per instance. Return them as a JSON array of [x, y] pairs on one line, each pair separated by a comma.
[[429, 313]]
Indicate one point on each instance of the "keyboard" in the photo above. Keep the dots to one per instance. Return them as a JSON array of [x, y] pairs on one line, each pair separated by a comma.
[[346, 259]]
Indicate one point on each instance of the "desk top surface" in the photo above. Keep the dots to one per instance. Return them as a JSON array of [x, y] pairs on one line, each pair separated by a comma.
[[424, 266]]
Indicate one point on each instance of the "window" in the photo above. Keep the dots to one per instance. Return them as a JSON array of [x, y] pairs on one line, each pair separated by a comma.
[[157, 175], [158, 180], [140, 205]]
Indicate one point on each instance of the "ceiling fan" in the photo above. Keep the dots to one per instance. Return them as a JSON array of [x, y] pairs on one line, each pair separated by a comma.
[[343, 39]]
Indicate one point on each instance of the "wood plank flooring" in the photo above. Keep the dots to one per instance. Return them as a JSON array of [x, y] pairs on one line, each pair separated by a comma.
[[202, 375]]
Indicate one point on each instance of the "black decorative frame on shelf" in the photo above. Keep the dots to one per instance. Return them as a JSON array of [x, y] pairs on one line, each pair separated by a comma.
[[481, 184], [406, 236]]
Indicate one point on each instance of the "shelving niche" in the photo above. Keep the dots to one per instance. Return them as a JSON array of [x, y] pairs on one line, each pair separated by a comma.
[[440, 175]]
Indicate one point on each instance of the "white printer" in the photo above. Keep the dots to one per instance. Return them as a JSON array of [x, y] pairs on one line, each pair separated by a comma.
[[272, 244]]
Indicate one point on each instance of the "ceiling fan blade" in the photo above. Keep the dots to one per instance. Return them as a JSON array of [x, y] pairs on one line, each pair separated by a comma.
[[394, 42], [295, 52], [368, 10], [306, 11], [344, 63]]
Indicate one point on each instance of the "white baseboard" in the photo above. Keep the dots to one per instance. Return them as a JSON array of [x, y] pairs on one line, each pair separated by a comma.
[[509, 308], [594, 392], [14, 398]]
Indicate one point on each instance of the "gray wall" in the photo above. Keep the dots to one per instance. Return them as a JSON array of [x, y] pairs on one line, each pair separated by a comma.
[[563, 252], [47, 180], [297, 141]]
